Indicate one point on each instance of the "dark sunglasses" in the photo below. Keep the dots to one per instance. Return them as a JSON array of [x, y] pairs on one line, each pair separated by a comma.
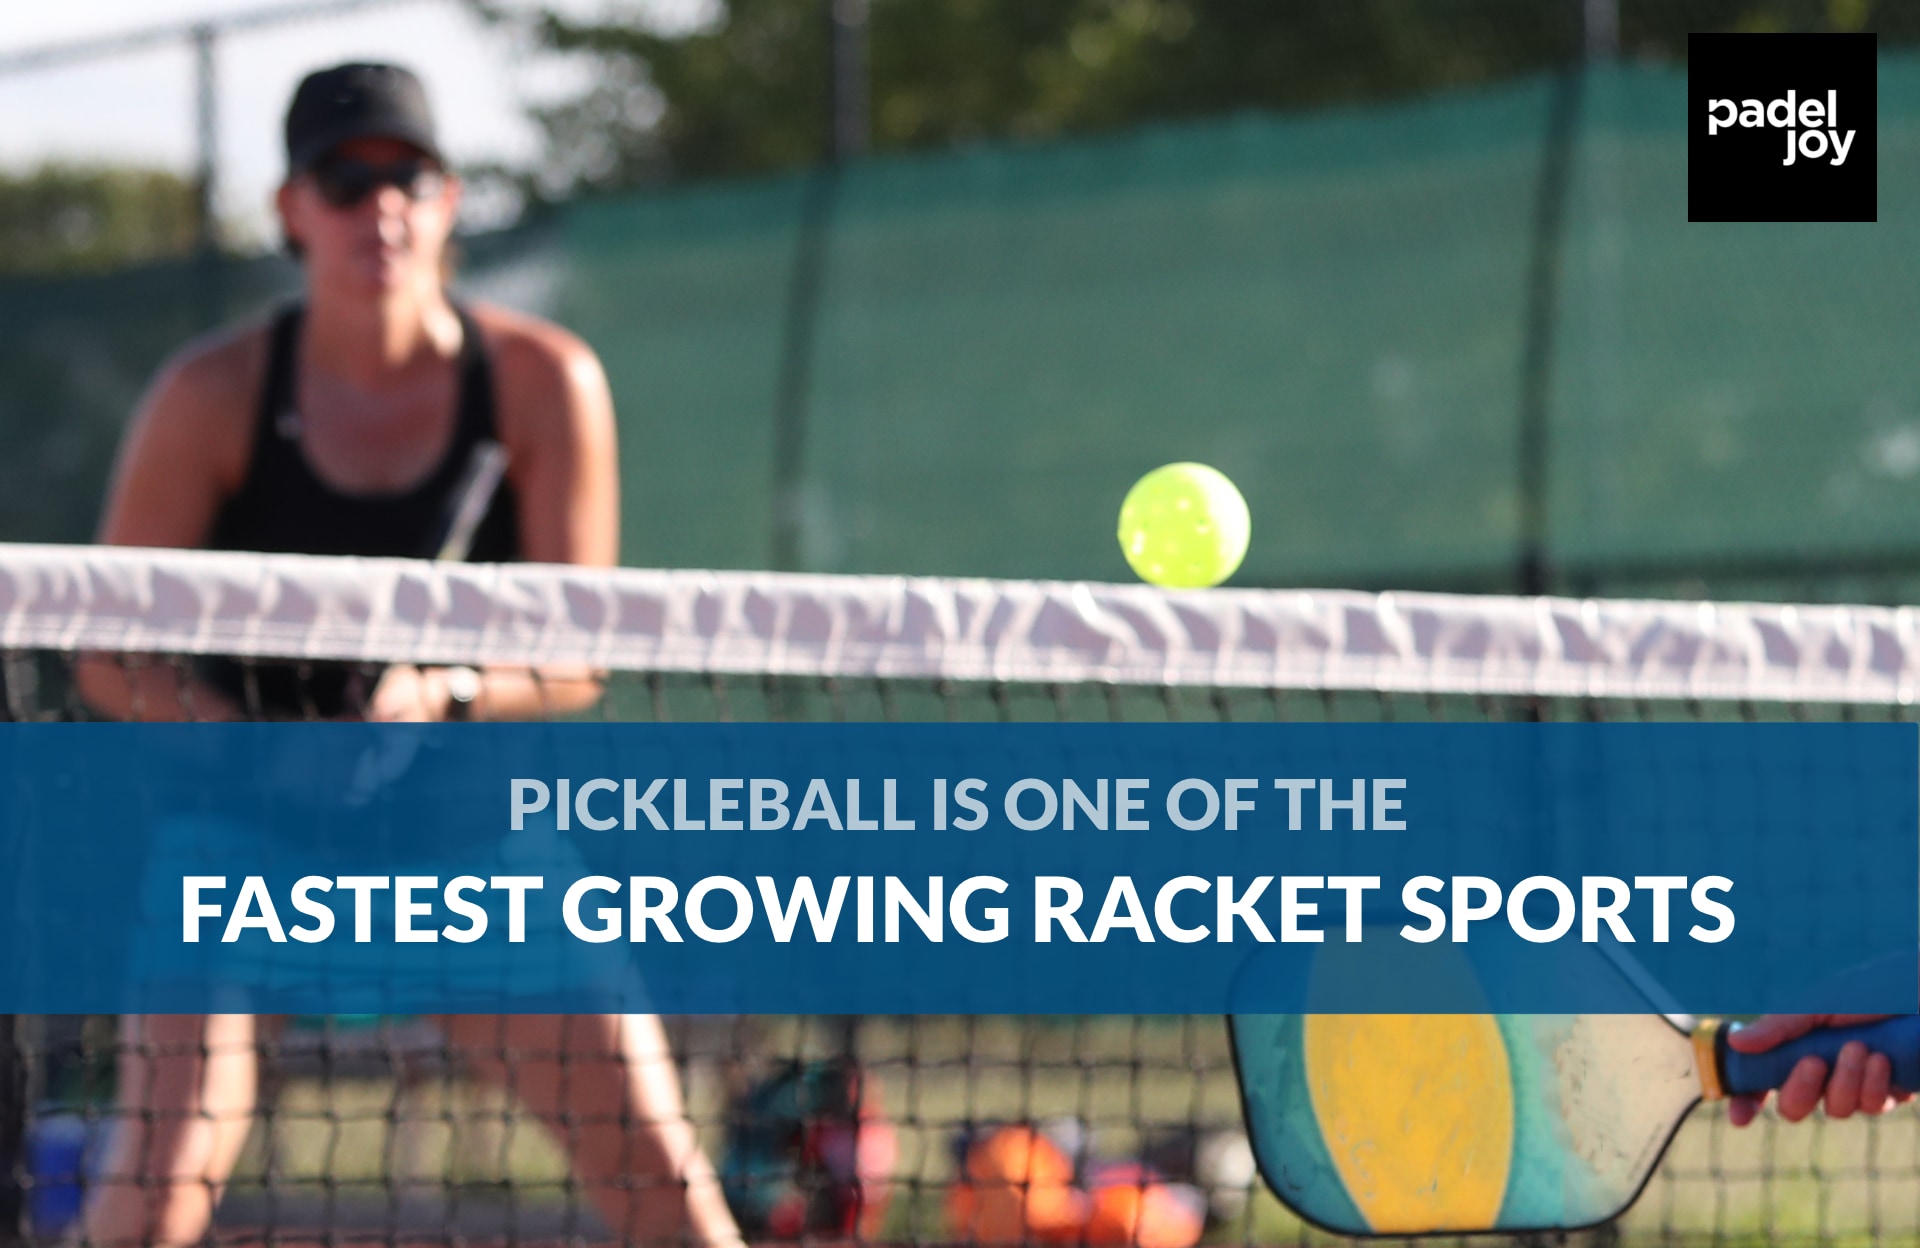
[[344, 182]]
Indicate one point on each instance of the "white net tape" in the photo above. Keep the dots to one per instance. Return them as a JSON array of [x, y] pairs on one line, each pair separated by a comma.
[[386, 610]]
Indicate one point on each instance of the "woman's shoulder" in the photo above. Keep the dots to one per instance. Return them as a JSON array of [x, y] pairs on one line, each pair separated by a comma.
[[218, 375], [539, 369], [532, 348], [188, 445]]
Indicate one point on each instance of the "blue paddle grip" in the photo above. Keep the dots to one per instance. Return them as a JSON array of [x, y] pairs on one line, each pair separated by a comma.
[[1898, 1038]]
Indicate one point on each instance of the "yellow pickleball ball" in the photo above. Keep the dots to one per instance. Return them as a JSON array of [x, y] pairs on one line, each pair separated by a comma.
[[1184, 526]]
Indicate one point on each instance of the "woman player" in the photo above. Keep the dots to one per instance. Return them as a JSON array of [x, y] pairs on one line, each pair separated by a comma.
[[353, 425]]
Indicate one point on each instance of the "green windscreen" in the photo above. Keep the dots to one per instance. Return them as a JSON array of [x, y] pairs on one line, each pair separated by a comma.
[[956, 363], [1741, 388]]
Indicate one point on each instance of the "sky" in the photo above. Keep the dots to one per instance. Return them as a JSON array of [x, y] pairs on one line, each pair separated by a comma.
[[140, 108]]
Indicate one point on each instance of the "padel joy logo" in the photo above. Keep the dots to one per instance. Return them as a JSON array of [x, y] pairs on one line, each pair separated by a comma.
[[1781, 128]]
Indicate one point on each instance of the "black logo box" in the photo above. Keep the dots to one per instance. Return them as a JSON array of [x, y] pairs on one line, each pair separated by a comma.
[[1742, 173]]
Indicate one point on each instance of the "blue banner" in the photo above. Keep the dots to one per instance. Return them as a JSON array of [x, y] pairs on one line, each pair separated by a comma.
[[984, 868]]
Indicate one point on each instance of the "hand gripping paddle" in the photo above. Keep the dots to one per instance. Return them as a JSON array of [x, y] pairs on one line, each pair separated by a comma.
[[1408, 1124]]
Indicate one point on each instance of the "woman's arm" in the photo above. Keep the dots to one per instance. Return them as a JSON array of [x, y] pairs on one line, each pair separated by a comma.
[[555, 417], [184, 452]]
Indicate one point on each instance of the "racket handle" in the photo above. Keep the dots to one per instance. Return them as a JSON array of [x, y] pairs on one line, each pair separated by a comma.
[[1754, 1073]]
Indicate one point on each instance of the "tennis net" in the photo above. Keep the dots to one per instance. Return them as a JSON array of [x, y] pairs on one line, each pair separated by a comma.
[[382, 1130]]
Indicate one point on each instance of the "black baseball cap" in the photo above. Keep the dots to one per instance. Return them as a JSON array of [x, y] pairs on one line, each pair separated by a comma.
[[357, 101]]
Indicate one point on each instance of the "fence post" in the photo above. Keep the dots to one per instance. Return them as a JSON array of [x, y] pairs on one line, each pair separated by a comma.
[[206, 107], [851, 87], [846, 139], [1600, 34]]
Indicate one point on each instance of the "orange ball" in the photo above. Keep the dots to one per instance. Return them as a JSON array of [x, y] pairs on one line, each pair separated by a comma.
[[1018, 1187], [1146, 1215]]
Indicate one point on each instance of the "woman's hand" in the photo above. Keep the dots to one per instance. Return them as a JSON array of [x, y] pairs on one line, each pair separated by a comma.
[[409, 695]]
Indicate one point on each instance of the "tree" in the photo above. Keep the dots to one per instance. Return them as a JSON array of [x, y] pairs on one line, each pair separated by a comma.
[[748, 93], [69, 218]]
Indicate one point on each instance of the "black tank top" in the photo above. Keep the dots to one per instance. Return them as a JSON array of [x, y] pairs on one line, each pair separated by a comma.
[[284, 507]]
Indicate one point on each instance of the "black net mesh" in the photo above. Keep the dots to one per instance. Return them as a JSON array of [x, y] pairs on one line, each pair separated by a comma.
[[386, 1129]]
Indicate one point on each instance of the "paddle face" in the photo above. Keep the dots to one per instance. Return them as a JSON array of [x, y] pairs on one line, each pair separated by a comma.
[[1409, 1124]]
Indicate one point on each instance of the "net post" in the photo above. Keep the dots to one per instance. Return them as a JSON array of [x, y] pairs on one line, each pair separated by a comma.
[[13, 1133]]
